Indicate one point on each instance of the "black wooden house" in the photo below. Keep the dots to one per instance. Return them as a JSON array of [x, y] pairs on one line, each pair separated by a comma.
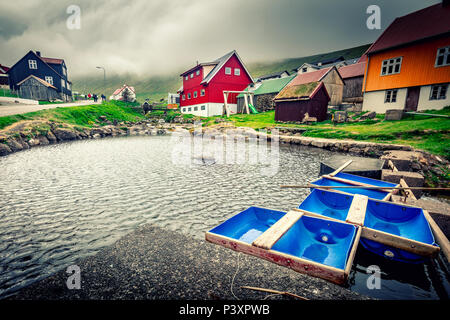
[[52, 71]]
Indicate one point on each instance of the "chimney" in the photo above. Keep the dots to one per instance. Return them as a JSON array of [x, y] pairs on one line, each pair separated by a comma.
[[38, 53]]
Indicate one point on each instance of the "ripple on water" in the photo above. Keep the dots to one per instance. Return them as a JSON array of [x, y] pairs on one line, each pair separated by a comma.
[[68, 201]]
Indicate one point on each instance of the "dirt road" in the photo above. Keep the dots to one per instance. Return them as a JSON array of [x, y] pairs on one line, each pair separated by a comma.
[[11, 109]]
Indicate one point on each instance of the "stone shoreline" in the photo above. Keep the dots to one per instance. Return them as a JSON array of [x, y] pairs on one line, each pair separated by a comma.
[[154, 263], [423, 162]]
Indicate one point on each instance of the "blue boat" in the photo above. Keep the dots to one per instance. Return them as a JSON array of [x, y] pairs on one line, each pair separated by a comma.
[[349, 180], [311, 245], [392, 230]]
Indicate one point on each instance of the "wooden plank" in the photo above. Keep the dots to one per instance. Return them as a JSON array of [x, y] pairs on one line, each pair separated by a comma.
[[355, 183], [392, 166], [352, 254], [357, 211], [305, 266], [410, 194], [345, 165], [402, 243], [439, 236], [276, 231], [316, 215]]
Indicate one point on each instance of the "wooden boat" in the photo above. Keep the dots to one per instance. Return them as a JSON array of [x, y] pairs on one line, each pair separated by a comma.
[[311, 245], [348, 180], [398, 232]]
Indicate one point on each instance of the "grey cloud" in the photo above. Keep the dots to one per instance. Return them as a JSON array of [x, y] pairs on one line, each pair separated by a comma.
[[157, 37]]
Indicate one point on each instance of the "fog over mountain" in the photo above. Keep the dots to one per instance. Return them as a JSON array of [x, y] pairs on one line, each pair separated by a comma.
[[159, 37]]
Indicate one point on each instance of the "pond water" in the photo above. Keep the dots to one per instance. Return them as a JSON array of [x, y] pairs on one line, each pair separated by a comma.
[[63, 202]]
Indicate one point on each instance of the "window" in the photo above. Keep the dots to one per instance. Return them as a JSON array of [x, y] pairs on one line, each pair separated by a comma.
[[192, 75], [237, 71], [195, 94], [197, 73], [227, 70], [202, 92], [203, 108], [189, 95], [32, 64], [185, 78], [184, 109], [391, 96], [443, 57], [304, 70], [391, 66], [49, 79], [183, 97], [195, 108], [63, 83], [68, 85], [438, 92], [189, 109]]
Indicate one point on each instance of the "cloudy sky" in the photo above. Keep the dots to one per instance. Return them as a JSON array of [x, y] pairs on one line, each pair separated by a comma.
[[154, 37]]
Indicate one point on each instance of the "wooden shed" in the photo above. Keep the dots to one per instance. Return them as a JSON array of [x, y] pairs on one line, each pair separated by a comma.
[[353, 76], [295, 101], [35, 88]]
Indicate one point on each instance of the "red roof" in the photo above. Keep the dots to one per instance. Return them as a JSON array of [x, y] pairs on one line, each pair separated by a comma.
[[353, 70], [309, 77], [3, 68], [419, 25], [52, 60]]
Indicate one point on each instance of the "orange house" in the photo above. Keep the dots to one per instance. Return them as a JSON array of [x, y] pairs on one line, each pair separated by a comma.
[[408, 66]]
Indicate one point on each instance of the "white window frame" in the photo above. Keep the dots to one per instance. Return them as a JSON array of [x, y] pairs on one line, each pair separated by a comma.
[[196, 108], [203, 107], [390, 96], [63, 83], [195, 94], [192, 75], [189, 96], [49, 79], [183, 97], [32, 64], [441, 92], [197, 73], [189, 109], [237, 71], [446, 57], [388, 63], [202, 92], [228, 70], [186, 78]]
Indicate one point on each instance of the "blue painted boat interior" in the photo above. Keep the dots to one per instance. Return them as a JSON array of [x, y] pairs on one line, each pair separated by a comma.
[[373, 182], [249, 224], [391, 252], [374, 194], [323, 241], [407, 222], [328, 203]]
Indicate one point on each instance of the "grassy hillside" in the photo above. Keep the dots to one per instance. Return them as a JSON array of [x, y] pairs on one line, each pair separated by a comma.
[[156, 88]]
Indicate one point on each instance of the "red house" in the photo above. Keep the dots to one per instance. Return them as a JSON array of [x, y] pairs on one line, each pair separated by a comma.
[[203, 85]]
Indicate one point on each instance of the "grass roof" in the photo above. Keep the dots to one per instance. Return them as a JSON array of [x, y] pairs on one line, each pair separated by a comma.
[[271, 85], [298, 91]]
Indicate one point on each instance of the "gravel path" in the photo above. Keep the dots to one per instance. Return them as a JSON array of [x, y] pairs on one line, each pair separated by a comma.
[[152, 263], [11, 109]]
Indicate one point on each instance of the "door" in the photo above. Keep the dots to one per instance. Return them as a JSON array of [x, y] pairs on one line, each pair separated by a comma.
[[412, 99]]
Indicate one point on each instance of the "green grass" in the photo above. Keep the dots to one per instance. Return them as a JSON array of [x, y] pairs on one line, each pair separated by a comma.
[[81, 115], [422, 132], [7, 93]]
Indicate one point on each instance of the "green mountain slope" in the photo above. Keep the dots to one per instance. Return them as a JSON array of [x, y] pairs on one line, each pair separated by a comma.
[[156, 88]]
